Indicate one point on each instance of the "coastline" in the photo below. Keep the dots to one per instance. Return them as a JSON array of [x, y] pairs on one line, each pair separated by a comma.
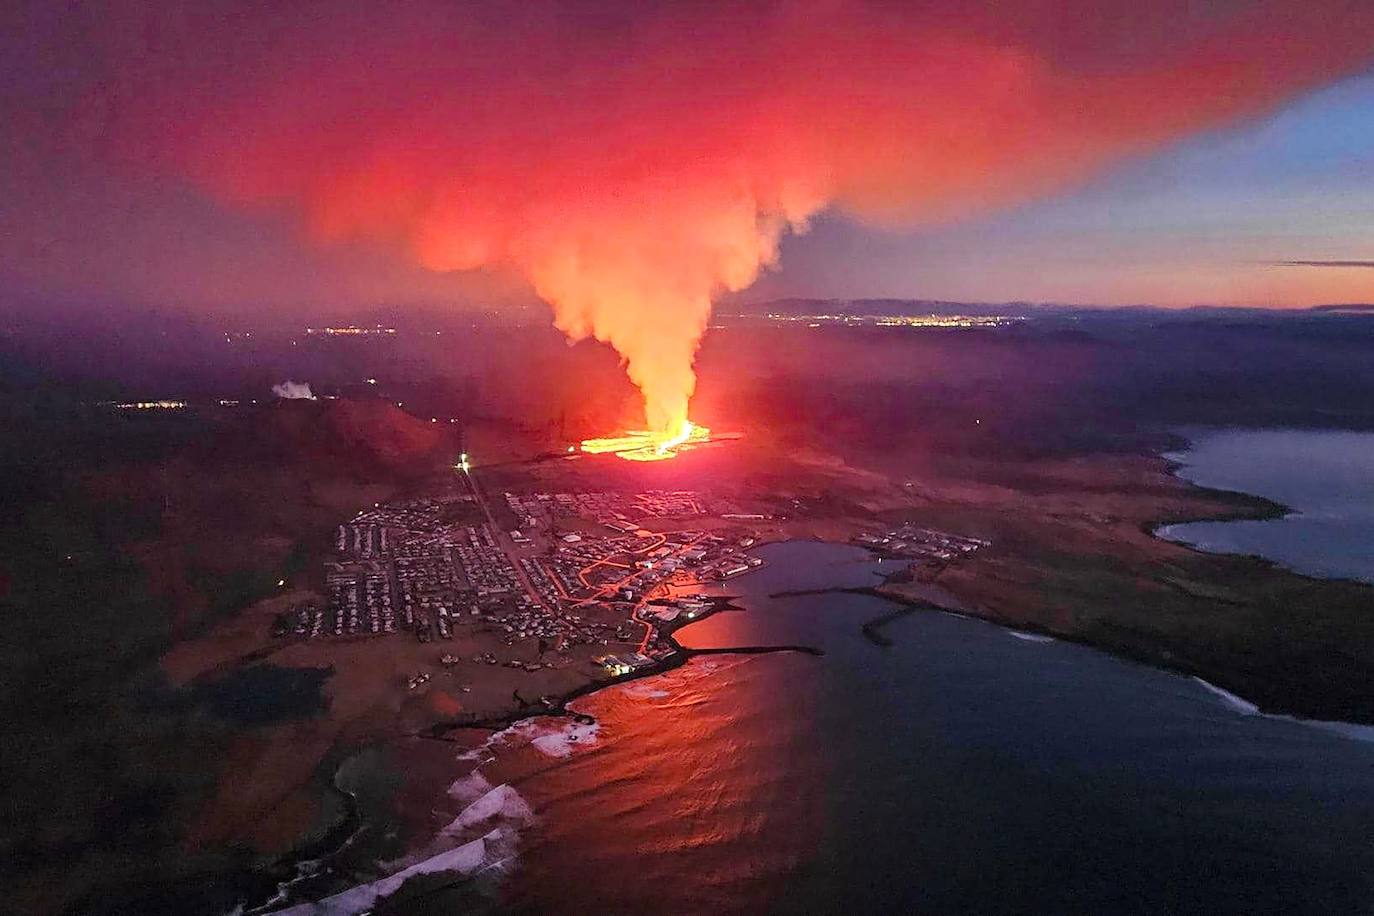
[[676, 658], [1160, 660], [1168, 605], [1217, 720], [558, 706], [873, 628], [1264, 509], [280, 872], [873, 631], [1231, 506], [1197, 582]]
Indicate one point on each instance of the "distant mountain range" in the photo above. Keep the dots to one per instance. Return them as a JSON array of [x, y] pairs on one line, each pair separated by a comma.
[[1364, 307], [904, 307]]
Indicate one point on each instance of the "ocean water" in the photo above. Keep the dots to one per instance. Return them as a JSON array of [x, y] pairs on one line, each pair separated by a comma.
[[964, 769], [1326, 478]]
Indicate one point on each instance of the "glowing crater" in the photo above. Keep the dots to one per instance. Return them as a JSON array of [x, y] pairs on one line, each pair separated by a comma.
[[645, 445]]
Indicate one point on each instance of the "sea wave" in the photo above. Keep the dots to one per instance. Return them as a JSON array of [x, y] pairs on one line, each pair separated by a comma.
[[1239, 704], [1030, 637], [642, 690], [491, 850], [552, 737], [563, 741], [470, 788], [483, 837], [1352, 730], [502, 805]]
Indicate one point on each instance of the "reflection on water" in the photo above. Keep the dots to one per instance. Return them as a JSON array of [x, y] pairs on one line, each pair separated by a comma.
[[683, 798], [960, 770], [1325, 477]]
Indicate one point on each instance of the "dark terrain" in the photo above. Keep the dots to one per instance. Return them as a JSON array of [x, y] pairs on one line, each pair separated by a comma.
[[127, 531]]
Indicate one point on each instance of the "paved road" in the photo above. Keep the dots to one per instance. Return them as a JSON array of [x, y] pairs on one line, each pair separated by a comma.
[[503, 539]]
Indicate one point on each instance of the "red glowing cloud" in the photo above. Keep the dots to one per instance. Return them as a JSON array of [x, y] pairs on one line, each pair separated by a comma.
[[634, 162]]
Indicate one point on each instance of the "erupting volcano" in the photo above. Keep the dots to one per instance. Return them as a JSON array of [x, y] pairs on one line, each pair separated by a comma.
[[632, 164], [646, 445]]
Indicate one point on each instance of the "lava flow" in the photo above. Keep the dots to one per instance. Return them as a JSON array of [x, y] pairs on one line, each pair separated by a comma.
[[644, 445]]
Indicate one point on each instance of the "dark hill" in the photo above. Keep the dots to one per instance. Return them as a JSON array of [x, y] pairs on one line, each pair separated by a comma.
[[364, 438]]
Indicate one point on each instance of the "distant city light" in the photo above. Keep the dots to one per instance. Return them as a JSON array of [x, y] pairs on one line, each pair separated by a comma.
[[899, 321], [350, 331], [152, 405]]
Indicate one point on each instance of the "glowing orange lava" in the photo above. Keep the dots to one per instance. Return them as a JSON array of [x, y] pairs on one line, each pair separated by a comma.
[[644, 445]]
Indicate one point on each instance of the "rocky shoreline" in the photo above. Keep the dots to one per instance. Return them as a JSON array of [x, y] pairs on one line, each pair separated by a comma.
[[286, 870], [1162, 660]]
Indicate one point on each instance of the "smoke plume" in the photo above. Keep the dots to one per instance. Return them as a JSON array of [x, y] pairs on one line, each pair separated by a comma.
[[634, 162], [294, 391]]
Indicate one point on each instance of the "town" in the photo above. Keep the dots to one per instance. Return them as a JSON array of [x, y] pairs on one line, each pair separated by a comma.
[[540, 580], [920, 544], [572, 570]]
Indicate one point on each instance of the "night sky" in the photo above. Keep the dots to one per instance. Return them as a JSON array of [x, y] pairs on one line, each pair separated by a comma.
[[236, 156]]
